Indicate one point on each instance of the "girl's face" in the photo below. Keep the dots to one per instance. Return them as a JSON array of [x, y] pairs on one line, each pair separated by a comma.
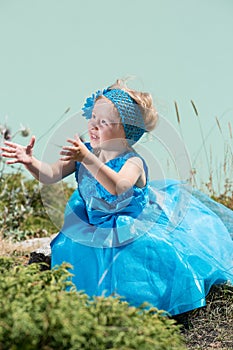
[[105, 127]]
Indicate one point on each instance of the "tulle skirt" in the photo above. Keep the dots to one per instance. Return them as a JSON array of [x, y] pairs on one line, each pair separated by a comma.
[[183, 248]]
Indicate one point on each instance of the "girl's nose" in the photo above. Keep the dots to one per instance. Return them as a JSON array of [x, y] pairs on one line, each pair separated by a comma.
[[93, 125]]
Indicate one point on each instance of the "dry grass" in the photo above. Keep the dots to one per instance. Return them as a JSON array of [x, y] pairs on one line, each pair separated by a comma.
[[9, 249], [211, 327], [21, 250]]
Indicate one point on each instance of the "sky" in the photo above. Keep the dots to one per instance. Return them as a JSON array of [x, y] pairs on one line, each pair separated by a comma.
[[54, 54]]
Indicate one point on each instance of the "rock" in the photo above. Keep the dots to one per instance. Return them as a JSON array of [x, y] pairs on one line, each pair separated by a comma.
[[36, 257]]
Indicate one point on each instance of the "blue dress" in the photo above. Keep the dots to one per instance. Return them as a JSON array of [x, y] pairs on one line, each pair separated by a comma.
[[162, 244]]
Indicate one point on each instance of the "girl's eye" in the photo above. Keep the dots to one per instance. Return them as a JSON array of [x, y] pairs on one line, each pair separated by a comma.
[[103, 122]]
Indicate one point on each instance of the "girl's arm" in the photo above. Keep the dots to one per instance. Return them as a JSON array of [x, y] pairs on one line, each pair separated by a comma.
[[45, 173], [114, 182], [50, 173]]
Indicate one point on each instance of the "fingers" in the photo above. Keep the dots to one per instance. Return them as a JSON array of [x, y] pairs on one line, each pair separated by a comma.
[[66, 158], [65, 153], [70, 153], [70, 148], [32, 142], [8, 154], [74, 151], [10, 144], [77, 138], [73, 142], [8, 150], [12, 161], [76, 141]]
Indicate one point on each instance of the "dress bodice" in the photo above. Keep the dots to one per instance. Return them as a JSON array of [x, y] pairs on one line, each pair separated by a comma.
[[107, 220], [99, 202]]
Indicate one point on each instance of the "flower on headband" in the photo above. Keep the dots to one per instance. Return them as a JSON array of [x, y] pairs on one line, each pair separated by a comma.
[[90, 101]]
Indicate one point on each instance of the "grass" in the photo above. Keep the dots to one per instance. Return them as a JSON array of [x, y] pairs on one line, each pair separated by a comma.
[[210, 327], [11, 249]]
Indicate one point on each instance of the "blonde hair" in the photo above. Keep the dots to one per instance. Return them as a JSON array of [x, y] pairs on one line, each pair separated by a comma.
[[144, 101]]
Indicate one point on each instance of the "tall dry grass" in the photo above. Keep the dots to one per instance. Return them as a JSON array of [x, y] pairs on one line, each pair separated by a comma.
[[219, 182]]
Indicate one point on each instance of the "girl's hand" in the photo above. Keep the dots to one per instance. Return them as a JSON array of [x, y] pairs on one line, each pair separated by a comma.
[[19, 153], [77, 151]]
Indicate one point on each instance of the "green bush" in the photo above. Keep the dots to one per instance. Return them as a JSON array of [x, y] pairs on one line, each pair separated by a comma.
[[42, 310], [22, 211]]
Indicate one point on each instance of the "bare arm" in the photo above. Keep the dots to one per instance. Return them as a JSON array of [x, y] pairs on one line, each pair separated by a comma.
[[130, 174], [45, 173], [50, 173], [115, 182]]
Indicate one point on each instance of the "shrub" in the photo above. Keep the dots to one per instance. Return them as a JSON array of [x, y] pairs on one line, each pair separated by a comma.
[[22, 211], [37, 311]]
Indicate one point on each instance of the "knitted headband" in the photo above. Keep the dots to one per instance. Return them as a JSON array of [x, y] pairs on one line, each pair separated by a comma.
[[128, 110]]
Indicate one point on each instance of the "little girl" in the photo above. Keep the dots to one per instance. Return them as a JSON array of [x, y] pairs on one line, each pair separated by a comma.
[[121, 232]]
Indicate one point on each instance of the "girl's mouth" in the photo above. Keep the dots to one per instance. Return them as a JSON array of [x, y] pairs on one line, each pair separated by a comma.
[[94, 137]]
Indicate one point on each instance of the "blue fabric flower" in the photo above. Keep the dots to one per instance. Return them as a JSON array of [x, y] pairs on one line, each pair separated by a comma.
[[90, 101]]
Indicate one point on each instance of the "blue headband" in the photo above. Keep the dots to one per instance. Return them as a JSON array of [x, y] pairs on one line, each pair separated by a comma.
[[128, 110]]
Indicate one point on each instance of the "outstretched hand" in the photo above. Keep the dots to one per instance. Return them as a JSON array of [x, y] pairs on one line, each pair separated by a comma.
[[77, 151], [20, 154]]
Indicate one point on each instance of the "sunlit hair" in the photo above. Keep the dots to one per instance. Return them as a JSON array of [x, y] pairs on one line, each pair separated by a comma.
[[144, 101]]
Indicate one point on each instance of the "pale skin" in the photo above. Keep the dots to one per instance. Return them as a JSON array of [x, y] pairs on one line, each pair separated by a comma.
[[106, 135]]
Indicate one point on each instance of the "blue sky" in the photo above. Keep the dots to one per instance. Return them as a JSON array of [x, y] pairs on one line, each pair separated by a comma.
[[55, 53]]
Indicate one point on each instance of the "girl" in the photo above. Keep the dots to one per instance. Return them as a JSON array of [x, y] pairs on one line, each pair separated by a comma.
[[123, 234]]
